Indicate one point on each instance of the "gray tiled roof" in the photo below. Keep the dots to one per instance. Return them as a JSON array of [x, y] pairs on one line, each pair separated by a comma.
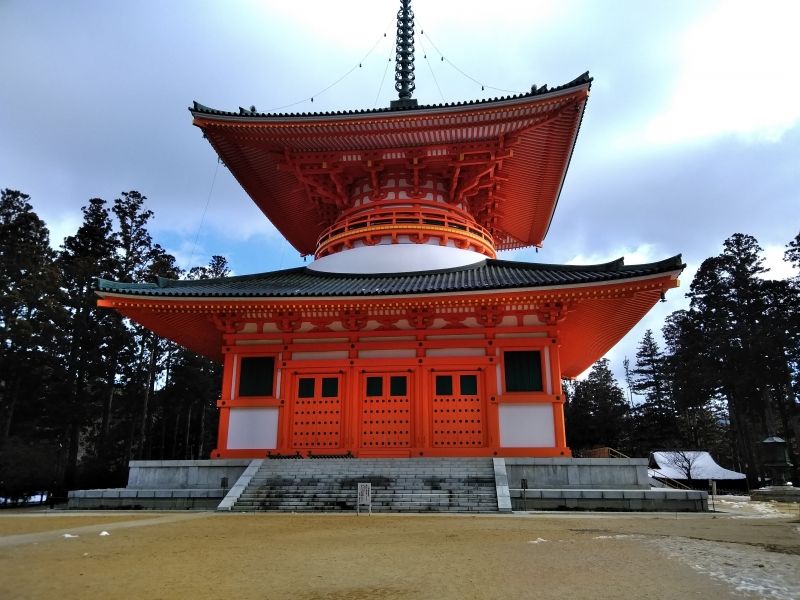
[[200, 109], [303, 282]]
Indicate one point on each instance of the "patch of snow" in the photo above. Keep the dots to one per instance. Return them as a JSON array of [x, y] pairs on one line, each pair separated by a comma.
[[746, 568], [537, 541], [102, 533], [762, 510], [731, 503], [69, 535], [702, 465], [619, 536]]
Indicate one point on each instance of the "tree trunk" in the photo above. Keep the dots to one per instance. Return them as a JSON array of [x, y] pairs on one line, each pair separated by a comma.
[[187, 448], [175, 432], [202, 442], [105, 420], [149, 385], [12, 396]]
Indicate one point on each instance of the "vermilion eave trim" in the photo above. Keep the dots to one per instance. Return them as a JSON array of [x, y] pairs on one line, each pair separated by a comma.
[[252, 146]]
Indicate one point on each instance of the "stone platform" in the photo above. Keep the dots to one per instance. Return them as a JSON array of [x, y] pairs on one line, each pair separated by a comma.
[[167, 485], [776, 493], [614, 484], [399, 485]]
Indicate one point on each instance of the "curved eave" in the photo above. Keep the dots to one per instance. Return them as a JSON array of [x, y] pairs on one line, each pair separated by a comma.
[[248, 115], [598, 315], [542, 125], [486, 275]]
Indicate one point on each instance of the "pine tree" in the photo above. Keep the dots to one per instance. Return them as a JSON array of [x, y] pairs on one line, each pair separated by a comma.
[[655, 421], [597, 413], [156, 349], [29, 307], [187, 403], [792, 254], [744, 329], [29, 364], [88, 337], [701, 417]]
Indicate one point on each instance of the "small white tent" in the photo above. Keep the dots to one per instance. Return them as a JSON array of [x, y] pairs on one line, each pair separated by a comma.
[[680, 464]]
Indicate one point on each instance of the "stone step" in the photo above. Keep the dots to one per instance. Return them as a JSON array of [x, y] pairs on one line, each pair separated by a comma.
[[375, 493], [398, 485], [386, 498], [454, 487], [352, 506], [352, 502]]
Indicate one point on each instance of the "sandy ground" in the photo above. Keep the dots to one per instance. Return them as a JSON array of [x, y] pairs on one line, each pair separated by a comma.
[[751, 550]]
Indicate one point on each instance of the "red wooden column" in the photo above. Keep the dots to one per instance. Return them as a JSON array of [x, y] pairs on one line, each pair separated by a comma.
[[420, 408], [492, 416], [224, 402], [558, 404]]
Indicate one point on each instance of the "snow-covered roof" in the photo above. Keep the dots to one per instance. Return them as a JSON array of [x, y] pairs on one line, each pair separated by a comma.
[[675, 464]]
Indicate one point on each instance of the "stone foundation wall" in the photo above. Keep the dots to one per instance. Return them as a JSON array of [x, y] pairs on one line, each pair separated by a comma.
[[611, 500], [184, 474], [578, 473]]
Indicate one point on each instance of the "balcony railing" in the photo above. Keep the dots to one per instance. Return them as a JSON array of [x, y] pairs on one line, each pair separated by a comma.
[[419, 222]]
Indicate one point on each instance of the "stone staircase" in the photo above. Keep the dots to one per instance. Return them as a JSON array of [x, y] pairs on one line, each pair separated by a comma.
[[398, 485]]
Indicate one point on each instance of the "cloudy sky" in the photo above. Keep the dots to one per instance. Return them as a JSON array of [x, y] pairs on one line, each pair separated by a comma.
[[692, 131]]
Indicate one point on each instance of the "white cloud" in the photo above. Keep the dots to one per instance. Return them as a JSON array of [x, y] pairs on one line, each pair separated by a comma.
[[736, 75], [644, 253], [188, 254], [343, 24], [773, 260], [61, 226]]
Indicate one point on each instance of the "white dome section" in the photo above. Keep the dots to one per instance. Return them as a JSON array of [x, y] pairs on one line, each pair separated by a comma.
[[396, 258]]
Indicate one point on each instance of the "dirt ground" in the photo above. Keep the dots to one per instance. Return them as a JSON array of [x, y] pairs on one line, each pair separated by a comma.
[[751, 550]]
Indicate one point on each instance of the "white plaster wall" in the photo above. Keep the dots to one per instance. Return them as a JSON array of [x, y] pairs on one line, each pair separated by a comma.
[[396, 258], [527, 426], [323, 355], [252, 428], [388, 353], [455, 352]]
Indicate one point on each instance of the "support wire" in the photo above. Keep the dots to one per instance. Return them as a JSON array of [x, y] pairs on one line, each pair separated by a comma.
[[468, 76], [203, 216], [325, 89]]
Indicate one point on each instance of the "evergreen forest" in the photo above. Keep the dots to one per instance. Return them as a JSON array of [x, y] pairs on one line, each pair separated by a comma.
[[83, 391]]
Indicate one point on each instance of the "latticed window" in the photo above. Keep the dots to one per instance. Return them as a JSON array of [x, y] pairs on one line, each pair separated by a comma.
[[256, 376], [523, 370]]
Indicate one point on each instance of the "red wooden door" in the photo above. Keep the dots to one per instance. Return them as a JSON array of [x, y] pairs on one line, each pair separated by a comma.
[[458, 410], [385, 420], [316, 412]]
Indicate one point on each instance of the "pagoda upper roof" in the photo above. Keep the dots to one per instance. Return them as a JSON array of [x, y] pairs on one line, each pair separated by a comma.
[[301, 282], [515, 150], [199, 109]]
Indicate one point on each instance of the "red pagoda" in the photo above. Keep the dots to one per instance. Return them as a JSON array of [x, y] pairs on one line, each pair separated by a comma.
[[405, 336]]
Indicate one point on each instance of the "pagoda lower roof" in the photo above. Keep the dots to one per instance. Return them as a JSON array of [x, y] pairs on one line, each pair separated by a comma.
[[506, 158], [302, 282], [598, 304]]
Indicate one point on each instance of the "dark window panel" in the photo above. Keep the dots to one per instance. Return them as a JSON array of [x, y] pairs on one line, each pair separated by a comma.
[[256, 376], [444, 385], [330, 387], [305, 387], [374, 386], [469, 385], [398, 385], [523, 370]]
